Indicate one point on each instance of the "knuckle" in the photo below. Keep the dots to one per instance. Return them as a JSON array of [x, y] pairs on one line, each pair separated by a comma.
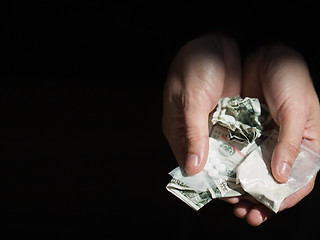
[[192, 135], [293, 150]]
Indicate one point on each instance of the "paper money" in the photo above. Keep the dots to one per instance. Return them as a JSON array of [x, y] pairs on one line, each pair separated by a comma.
[[197, 199], [240, 117], [194, 199], [232, 138], [223, 159], [216, 180], [221, 133], [239, 163]]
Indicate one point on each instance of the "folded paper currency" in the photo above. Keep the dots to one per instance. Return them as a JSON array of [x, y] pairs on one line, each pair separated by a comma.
[[240, 117], [216, 180]]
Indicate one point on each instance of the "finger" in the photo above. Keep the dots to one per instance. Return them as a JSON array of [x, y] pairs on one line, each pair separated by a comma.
[[242, 208], [192, 90], [185, 124], [231, 200], [234, 200], [258, 214], [203, 89], [286, 85], [203, 71], [292, 125], [196, 136]]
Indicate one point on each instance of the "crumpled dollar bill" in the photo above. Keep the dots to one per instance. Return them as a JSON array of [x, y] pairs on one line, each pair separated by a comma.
[[234, 157], [240, 117], [216, 180], [232, 138]]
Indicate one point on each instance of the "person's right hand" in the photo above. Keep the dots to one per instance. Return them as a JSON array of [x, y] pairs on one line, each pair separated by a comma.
[[203, 71]]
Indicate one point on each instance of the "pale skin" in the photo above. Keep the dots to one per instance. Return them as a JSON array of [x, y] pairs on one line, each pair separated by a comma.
[[208, 68]]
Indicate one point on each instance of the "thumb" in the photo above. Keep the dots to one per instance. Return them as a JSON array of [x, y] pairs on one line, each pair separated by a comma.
[[292, 126], [197, 140]]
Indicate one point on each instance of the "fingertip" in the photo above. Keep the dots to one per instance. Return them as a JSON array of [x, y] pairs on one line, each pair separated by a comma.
[[197, 156], [242, 208], [288, 147], [240, 212], [254, 218], [258, 214], [281, 164], [283, 171], [231, 200], [191, 164]]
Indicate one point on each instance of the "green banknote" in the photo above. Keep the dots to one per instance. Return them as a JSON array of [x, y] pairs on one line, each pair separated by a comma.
[[216, 180], [233, 129], [240, 117]]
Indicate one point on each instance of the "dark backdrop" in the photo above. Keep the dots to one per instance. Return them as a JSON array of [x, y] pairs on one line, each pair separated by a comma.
[[82, 150]]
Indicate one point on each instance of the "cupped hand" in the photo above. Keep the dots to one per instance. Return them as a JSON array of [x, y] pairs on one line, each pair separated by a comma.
[[209, 68], [279, 76], [203, 71]]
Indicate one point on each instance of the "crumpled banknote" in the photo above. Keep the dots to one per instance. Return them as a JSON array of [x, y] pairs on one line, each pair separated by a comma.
[[229, 144], [240, 117], [235, 159], [216, 180]]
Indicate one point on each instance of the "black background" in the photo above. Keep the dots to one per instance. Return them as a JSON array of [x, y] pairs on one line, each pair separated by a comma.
[[82, 152]]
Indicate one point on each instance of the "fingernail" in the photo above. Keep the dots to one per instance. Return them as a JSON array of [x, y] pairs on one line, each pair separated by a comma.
[[284, 170], [191, 162]]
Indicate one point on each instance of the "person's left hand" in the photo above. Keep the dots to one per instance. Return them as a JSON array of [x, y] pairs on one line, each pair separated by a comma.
[[279, 76]]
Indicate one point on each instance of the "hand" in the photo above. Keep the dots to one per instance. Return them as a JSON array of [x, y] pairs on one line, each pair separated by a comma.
[[280, 76], [203, 71], [207, 69]]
